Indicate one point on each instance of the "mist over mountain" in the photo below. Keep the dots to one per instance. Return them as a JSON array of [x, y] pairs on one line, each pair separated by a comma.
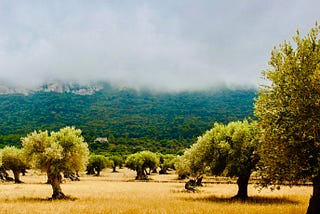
[[160, 45], [89, 88]]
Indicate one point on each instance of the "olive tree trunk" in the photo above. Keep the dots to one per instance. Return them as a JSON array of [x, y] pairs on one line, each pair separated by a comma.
[[242, 181], [114, 169], [141, 175], [55, 181], [314, 203], [16, 174]]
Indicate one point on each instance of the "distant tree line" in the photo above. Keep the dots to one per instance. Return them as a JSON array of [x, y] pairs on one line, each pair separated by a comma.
[[134, 121]]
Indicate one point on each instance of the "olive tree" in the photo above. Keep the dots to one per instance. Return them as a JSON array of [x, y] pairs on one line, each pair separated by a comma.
[[140, 162], [182, 166], [55, 153], [288, 111], [166, 162], [12, 159], [228, 150], [97, 163], [117, 161], [241, 141]]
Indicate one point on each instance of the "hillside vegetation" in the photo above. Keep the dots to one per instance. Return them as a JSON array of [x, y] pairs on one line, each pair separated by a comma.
[[132, 120]]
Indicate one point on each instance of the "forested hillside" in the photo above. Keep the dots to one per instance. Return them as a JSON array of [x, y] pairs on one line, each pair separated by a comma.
[[132, 120]]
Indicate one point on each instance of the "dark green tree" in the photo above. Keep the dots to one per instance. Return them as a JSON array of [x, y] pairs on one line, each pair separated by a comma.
[[288, 109]]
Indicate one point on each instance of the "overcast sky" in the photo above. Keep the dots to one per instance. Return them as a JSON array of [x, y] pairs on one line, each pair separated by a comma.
[[163, 44]]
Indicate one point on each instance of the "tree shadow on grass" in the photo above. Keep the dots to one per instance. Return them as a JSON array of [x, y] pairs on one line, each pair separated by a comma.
[[31, 199], [250, 200]]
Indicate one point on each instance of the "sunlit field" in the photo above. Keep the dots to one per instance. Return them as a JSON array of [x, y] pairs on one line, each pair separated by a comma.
[[119, 193]]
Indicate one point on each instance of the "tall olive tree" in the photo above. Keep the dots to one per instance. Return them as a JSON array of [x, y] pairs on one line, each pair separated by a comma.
[[58, 152], [12, 159], [288, 109], [229, 150]]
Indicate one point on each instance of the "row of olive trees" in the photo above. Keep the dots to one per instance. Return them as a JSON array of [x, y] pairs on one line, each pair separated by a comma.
[[143, 163], [99, 162], [14, 159], [66, 152]]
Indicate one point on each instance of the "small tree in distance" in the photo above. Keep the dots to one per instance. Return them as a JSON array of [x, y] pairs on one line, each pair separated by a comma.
[[12, 159], [166, 162], [141, 161], [97, 163], [58, 152], [117, 162]]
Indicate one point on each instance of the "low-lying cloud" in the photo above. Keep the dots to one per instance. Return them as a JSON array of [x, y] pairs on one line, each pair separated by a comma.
[[180, 45]]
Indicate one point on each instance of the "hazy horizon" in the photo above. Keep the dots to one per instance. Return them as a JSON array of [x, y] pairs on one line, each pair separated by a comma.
[[175, 46]]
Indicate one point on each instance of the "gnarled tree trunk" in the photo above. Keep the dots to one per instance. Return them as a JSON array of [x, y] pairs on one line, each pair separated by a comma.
[[314, 203], [141, 175], [114, 169], [243, 181], [98, 171], [55, 181], [16, 174]]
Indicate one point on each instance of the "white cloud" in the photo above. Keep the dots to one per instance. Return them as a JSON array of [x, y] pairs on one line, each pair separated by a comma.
[[165, 45]]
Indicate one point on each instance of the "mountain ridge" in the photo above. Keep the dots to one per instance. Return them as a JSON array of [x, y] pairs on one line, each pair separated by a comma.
[[56, 86]]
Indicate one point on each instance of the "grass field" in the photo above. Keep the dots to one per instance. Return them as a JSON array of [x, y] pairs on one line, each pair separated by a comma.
[[119, 193]]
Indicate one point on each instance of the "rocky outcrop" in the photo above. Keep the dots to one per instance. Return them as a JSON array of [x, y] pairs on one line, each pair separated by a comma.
[[58, 87]]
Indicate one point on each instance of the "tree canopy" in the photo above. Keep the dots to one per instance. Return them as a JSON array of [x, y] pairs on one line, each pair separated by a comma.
[[288, 109], [62, 151]]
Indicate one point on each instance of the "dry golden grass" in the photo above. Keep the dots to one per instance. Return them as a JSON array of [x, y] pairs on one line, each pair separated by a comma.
[[119, 193]]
